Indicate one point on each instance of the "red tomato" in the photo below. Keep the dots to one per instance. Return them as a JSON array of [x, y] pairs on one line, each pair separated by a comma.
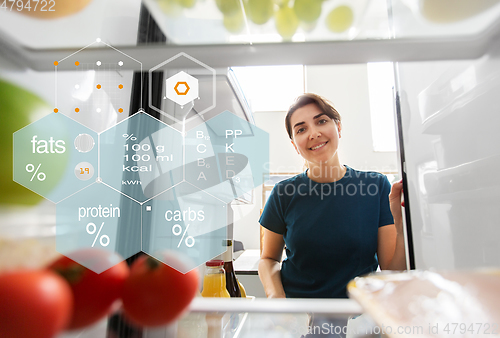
[[93, 294], [156, 294], [33, 304]]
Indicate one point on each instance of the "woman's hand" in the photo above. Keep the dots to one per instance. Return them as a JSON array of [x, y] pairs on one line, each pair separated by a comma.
[[398, 260], [395, 203]]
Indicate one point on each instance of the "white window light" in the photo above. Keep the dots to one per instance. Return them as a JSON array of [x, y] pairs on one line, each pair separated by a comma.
[[380, 86], [271, 88]]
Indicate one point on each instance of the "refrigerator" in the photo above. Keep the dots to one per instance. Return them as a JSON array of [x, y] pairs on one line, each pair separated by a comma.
[[446, 60]]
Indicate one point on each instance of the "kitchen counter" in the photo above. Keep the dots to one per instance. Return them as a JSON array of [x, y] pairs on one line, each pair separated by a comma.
[[247, 262], [246, 268]]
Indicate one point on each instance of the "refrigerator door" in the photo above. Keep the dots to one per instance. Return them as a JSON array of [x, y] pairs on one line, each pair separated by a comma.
[[449, 118]]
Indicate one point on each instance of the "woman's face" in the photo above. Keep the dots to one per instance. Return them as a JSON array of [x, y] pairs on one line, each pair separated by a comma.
[[315, 135]]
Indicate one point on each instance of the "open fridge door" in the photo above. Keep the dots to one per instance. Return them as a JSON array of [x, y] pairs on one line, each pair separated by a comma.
[[448, 116]]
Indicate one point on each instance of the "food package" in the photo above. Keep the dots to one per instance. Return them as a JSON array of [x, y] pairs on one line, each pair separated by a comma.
[[430, 303]]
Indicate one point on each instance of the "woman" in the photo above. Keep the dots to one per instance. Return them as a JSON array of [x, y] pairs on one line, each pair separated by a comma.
[[334, 220]]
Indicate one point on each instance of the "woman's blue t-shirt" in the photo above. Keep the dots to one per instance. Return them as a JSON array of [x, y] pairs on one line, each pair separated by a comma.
[[330, 230]]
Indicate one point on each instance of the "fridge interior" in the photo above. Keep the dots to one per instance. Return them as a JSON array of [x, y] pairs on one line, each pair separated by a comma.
[[447, 76]]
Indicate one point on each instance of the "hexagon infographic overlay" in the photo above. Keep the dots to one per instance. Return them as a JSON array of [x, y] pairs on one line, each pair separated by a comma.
[[227, 156], [141, 157], [55, 157], [141, 185], [186, 220], [98, 218]]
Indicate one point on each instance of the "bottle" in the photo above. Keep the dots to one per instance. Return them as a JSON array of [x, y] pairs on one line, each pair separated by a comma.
[[214, 281], [242, 289], [232, 285]]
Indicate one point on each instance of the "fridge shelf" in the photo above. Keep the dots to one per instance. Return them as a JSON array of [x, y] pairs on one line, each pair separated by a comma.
[[35, 43], [446, 104], [468, 181]]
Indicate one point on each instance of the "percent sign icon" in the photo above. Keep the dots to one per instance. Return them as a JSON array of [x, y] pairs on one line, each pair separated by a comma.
[[103, 237], [129, 137], [177, 230], [41, 176]]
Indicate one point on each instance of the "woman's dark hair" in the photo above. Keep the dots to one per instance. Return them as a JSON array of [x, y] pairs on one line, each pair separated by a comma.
[[323, 104]]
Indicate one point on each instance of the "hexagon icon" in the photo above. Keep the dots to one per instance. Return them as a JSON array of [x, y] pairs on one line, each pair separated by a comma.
[[227, 156], [95, 223], [141, 157], [185, 220], [51, 159], [180, 72], [182, 88]]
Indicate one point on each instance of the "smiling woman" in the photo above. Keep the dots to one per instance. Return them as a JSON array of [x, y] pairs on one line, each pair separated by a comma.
[[314, 127], [337, 222]]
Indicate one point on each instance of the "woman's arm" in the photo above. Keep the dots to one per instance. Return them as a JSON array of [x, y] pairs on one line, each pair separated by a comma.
[[269, 265], [391, 245]]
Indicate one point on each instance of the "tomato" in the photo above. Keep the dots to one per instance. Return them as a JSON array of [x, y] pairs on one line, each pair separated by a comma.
[[33, 304], [94, 294], [156, 294]]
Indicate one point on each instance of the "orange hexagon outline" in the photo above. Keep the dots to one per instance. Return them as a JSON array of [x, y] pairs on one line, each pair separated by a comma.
[[177, 85]]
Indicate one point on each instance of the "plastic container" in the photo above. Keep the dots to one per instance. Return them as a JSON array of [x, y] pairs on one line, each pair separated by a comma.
[[27, 236]]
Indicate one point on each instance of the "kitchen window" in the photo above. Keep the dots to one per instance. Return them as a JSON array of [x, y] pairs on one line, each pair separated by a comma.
[[380, 88], [271, 88]]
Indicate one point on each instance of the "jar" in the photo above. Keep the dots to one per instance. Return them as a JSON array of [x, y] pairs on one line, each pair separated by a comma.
[[214, 281]]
